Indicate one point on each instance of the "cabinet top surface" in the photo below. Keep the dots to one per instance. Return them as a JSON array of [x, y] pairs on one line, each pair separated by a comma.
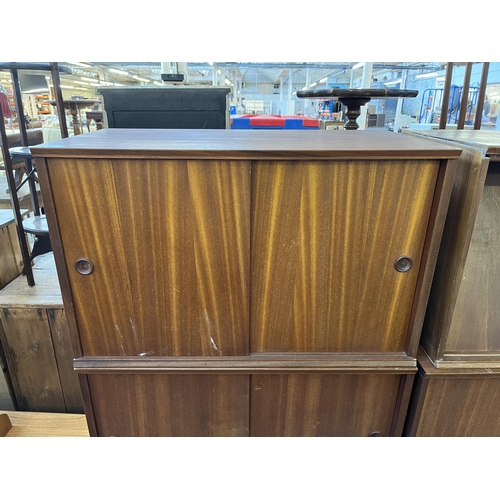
[[244, 144], [489, 138]]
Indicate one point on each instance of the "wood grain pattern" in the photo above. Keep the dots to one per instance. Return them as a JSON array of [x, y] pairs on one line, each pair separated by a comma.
[[464, 203], [242, 144], [31, 359], [177, 237], [64, 357], [38, 424], [461, 407], [325, 238], [171, 405], [475, 325], [322, 405]]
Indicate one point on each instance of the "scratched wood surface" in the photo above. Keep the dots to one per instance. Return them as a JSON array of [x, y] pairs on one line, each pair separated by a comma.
[[325, 238], [322, 405], [170, 244], [171, 405]]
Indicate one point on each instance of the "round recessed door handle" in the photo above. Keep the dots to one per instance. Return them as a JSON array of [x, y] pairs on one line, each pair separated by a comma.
[[84, 266], [403, 264], [375, 434]]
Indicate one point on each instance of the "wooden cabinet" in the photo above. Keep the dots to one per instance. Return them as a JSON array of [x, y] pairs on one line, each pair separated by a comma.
[[454, 402], [462, 326], [241, 283]]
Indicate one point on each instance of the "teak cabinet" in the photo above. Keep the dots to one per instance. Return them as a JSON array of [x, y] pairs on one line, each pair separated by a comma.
[[236, 283]]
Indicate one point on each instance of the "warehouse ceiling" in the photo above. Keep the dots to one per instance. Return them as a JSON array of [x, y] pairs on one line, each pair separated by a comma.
[[249, 75]]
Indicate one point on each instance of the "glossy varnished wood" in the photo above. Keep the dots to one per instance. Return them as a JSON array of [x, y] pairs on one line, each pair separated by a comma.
[[322, 405], [189, 231], [325, 238], [171, 405], [176, 235], [239, 144]]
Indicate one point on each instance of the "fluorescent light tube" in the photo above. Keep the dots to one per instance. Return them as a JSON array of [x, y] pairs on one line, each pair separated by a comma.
[[427, 75]]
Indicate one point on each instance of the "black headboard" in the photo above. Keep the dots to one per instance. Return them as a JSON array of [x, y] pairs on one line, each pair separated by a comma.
[[166, 107]]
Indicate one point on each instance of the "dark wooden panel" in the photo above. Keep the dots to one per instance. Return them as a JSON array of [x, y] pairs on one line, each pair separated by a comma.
[[325, 238], [265, 363], [170, 405], [64, 356], [461, 407], [322, 405], [238, 144], [475, 325], [32, 360], [170, 245], [464, 203]]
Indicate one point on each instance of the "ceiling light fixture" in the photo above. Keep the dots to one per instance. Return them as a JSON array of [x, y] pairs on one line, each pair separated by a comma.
[[314, 84], [89, 79], [358, 65], [323, 80], [118, 71], [158, 83]]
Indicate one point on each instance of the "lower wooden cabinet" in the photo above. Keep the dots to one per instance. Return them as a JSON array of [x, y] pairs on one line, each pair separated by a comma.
[[458, 402], [237, 405]]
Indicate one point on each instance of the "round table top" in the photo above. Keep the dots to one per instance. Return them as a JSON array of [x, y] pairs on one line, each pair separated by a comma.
[[36, 225], [356, 93], [80, 103]]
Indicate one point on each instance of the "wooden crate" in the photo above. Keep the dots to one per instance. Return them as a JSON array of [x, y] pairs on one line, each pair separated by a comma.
[[35, 339], [11, 259]]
